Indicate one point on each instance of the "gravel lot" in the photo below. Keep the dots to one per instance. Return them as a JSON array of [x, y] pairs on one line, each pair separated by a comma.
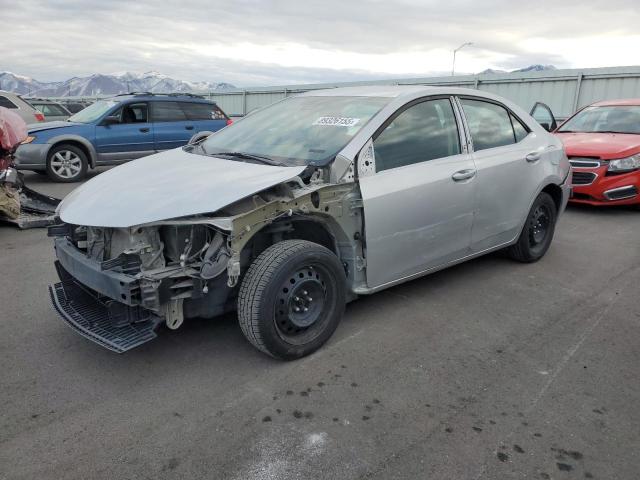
[[488, 370]]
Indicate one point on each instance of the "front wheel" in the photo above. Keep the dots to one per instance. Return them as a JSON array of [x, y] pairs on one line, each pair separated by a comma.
[[537, 233], [66, 163], [292, 299]]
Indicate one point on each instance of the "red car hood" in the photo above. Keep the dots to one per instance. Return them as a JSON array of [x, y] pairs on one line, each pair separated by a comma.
[[606, 146]]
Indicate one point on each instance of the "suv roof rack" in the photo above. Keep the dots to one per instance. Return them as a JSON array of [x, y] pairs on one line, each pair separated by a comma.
[[135, 94], [151, 94]]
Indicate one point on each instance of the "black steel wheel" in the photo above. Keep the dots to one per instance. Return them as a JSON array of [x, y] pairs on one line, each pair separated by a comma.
[[292, 299], [538, 230]]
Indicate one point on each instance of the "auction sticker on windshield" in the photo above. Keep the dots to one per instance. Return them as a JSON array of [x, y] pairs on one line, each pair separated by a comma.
[[337, 121]]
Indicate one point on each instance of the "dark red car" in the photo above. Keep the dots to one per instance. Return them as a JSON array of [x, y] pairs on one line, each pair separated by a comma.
[[602, 142]]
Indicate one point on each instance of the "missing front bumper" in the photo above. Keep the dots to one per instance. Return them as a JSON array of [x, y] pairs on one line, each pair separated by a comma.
[[117, 327]]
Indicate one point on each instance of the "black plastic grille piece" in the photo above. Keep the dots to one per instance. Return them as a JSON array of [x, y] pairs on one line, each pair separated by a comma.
[[583, 178], [91, 318]]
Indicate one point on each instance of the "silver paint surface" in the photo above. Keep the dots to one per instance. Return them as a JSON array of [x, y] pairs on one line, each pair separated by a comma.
[[171, 184]]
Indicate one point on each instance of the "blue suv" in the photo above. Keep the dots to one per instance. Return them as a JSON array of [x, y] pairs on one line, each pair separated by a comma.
[[114, 130]]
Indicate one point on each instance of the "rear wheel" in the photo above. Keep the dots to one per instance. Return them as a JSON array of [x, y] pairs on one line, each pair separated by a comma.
[[292, 299], [66, 163], [537, 233]]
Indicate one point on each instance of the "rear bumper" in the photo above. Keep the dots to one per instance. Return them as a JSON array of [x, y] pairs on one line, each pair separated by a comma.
[[108, 323], [623, 189]]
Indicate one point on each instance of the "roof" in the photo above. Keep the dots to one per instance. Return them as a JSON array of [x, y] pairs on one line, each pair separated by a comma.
[[621, 102], [392, 91]]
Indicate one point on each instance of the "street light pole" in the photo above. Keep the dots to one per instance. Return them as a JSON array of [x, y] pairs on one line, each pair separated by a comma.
[[453, 67]]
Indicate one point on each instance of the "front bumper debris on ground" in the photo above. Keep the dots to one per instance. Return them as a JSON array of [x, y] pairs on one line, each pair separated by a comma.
[[110, 324]]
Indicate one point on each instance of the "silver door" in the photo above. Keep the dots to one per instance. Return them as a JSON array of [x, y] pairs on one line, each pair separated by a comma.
[[509, 162], [418, 205]]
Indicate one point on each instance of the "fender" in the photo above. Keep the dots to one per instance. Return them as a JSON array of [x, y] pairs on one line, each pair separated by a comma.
[[93, 154]]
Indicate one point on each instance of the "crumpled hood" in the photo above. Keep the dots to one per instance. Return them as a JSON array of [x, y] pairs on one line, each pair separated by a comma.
[[606, 146], [167, 185], [38, 127]]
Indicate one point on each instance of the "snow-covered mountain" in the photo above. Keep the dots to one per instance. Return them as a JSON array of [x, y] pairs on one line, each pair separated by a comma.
[[99, 84], [530, 68]]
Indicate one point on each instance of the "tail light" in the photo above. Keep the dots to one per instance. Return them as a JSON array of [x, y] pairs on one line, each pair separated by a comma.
[[39, 116], [229, 121]]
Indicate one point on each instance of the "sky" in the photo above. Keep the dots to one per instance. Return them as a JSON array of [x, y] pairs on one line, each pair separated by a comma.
[[251, 42]]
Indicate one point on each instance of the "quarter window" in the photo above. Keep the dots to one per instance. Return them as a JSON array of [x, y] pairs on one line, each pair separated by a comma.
[[6, 103], [490, 124], [168, 112], [422, 132], [519, 130]]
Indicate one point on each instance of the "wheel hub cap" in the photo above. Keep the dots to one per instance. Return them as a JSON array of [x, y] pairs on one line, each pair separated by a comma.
[[539, 225], [300, 302]]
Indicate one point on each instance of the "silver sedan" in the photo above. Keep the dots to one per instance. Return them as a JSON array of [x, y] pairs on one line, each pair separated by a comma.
[[302, 206]]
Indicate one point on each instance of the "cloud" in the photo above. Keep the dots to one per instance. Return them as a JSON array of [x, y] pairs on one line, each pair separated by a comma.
[[253, 42]]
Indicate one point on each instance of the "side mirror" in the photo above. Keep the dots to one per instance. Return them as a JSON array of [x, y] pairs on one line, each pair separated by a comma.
[[111, 120], [198, 137]]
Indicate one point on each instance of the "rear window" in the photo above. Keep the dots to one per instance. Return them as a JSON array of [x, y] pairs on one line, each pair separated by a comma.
[[202, 111], [50, 109], [6, 103], [167, 112]]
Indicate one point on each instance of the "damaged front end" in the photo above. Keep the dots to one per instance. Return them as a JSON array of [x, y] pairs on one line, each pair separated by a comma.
[[117, 285]]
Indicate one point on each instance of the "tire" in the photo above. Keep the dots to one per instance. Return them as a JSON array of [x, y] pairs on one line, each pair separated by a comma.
[[66, 164], [292, 299], [538, 230]]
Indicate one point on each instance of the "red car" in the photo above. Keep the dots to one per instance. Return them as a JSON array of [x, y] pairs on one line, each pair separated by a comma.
[[602, 142]]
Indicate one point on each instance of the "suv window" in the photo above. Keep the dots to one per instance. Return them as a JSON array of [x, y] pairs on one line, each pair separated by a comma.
[[490, 124], [202, 111], [422, 132], [6, 103], [167, 112], [133, 113]]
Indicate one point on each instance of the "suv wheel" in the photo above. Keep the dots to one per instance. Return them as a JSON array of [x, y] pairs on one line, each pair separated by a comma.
[[66, 163], [537, 232], [292, 299]]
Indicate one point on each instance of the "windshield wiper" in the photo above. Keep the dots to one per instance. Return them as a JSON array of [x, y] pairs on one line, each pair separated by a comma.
[[249, 156]]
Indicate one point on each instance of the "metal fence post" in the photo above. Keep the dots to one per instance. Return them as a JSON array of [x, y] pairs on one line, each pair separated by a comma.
[[576, 97], [244, 103]]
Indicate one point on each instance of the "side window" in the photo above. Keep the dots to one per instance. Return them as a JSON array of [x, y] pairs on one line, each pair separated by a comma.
[[519, 130], [57, 110], [6, 103], [133, 113], [422, 132], [489, 124], [168, 112], [202, 111]]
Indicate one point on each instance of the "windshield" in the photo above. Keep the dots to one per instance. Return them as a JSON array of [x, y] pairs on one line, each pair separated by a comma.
[[612, 119], [93, 111], [298, 131]]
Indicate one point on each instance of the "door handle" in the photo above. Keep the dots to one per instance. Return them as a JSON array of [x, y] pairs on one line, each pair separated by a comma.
[[189, 127], [144, 130], [532, 157], [463, 175]]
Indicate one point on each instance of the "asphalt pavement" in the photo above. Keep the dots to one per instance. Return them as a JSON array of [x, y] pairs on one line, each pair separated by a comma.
[[488, 370]]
